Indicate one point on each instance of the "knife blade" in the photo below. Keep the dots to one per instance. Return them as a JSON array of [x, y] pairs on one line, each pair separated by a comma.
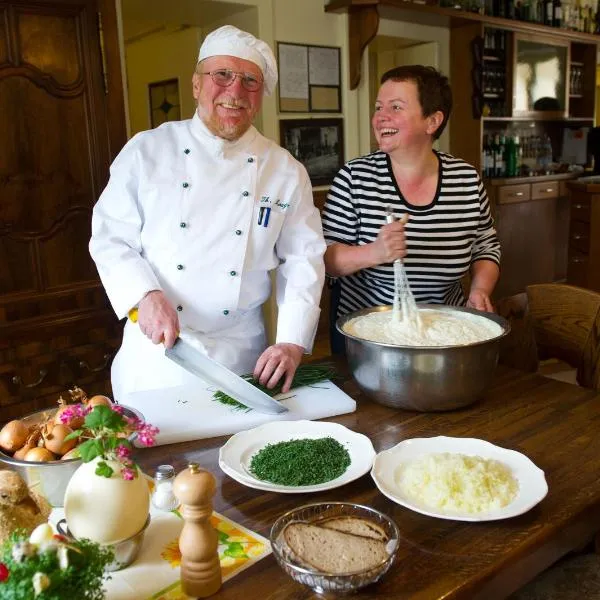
[[199, 364]]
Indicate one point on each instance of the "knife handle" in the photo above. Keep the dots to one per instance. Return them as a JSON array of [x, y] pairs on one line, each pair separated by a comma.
[[133, 317]]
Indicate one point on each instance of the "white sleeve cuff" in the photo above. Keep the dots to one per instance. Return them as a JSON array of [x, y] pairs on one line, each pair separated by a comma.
[[297, 324]]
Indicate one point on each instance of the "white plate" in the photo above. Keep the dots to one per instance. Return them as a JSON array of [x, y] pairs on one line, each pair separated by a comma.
[[532, 483], [236, 454]]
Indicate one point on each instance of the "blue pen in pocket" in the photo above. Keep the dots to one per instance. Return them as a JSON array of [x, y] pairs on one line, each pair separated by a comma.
[[263, 215]]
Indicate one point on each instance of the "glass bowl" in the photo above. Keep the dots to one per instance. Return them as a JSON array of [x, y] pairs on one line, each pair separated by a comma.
[[321, 581]]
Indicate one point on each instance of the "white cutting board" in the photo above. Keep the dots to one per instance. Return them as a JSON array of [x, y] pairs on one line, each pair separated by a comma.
[[189, 413]]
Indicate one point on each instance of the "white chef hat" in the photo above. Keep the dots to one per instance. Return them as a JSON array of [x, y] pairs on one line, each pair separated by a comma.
[[231, 41]]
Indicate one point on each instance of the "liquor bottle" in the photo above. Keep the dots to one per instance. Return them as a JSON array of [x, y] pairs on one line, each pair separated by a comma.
[[499, 8], [549, 13], [485, 157], [509, 9], [566, 14], [557, 18], [499, 166]]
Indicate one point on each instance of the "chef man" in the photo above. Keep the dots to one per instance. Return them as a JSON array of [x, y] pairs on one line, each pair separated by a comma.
[[194, 217]]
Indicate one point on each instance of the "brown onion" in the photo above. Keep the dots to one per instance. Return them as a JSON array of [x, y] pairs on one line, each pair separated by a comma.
[[13, 435], [21, 452], [54, 439], [39, 455], [99, 400]]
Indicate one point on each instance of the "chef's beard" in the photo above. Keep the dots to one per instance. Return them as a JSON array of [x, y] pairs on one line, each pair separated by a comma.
[[229, 130]]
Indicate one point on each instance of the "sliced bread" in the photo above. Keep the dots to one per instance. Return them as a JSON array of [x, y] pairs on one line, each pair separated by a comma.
[[333, 551], [354, 525]]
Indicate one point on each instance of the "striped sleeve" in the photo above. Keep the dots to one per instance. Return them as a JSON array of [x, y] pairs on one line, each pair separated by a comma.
[[487, 245], [340, 220]]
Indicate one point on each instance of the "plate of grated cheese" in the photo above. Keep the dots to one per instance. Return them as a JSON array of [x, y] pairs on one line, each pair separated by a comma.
[[462, 479]]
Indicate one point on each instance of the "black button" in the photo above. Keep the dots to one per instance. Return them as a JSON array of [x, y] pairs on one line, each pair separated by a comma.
[[180, 267], [225, 312], [187, 150], [245, 193], [238, 232], [186, 184], [233, 273], [183, 225], [250, 160], [179, 307]]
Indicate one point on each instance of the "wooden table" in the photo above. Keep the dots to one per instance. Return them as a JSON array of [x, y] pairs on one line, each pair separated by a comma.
[[555, 424]]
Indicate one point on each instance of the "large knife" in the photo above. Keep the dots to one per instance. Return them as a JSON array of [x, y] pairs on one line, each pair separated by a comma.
[[198, 363]]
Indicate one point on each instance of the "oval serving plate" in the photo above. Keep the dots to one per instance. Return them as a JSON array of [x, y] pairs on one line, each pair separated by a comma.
[[532, 482], [235, 455]]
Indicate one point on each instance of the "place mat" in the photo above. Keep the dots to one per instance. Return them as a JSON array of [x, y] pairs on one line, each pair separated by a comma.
[[155, 573]]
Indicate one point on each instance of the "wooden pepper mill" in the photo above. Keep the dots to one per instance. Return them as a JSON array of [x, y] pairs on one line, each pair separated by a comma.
[[198, 542]]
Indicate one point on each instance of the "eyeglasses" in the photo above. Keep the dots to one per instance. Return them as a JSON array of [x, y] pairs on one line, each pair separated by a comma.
[[225, 77]]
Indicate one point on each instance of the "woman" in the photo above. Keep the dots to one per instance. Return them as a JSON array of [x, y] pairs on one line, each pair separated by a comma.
[[449, 231]]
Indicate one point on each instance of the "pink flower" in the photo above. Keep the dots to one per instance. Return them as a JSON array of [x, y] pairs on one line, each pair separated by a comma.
[[117, 408], [72, 412], [128, 474], [146, 434], [122, 452]]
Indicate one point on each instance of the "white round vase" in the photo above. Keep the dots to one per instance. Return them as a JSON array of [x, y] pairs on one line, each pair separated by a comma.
[[105, 510]]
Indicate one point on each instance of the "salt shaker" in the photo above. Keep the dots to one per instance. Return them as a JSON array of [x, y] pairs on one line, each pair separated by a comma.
[[163, 497]]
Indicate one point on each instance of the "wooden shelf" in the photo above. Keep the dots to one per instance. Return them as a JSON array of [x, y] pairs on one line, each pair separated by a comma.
[[364, 23]]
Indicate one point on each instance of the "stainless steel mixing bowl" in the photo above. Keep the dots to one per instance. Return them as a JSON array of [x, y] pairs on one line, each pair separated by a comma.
[[425, 378]]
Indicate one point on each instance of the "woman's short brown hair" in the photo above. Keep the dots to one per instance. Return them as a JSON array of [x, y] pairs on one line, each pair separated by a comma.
[[433, 89]]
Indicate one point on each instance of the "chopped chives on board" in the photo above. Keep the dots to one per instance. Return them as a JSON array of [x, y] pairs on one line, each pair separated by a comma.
[[304, 375], [300, 462]]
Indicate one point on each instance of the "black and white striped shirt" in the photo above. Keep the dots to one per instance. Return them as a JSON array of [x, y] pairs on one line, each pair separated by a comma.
[[442, 238]]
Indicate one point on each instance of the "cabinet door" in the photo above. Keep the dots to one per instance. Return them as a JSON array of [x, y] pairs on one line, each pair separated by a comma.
[[56, 150], [527, 235]]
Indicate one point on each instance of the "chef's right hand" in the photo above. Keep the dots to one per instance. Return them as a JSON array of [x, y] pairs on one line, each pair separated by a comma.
[[391, 242], [157, 318]]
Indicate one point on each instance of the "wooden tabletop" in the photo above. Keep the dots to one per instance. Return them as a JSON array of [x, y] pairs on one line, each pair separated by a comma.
[[555, 424]]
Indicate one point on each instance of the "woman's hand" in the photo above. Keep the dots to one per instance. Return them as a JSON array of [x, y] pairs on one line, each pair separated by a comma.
[[277, 361], [479, 300], [157, 318], [390, 244]]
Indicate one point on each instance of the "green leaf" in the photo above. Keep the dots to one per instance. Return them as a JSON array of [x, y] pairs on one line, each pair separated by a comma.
[[104, 417], [104, 470], [73, 435], [235, 550], [90, 449], [223, 537]]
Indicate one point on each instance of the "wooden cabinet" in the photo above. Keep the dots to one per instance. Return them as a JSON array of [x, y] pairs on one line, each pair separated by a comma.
[[584, 234], [533, 227], [58, 84]]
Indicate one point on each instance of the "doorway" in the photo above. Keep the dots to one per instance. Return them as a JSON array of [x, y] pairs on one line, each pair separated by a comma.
[[159, 43]]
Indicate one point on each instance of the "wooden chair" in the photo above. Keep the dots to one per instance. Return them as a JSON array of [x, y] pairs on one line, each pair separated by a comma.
[[554, 321], [560, 322]]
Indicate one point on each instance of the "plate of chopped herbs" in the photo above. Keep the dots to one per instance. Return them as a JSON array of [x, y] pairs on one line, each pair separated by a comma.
[[294, 457]]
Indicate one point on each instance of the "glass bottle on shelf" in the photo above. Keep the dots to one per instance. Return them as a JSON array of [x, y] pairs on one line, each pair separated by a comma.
[[557, 17], [549, 13]]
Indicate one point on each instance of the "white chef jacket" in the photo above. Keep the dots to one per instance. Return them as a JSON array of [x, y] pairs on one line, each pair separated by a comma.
[[205, 220]]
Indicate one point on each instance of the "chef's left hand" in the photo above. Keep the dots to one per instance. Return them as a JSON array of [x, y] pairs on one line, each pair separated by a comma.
[[276, 362], [479, 300]]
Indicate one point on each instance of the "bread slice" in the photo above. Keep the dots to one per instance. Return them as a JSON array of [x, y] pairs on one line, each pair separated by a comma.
[[333, 551], [354, 525]]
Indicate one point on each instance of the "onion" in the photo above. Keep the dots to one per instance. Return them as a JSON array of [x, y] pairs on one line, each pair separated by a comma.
[[39, 455], [54, 439], [73, 453], [99, 400], [13, 435], [21, 452]]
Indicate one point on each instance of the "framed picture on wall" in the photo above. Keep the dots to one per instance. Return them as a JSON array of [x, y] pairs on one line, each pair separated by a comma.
[[164, 102], [317, 143], [309, 78]]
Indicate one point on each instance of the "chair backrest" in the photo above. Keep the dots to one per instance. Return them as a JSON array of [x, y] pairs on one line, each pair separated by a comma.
[[566, 325], [518, 348]]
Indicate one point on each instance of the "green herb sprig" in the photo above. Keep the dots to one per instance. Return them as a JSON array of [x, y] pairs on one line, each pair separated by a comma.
[[304, 375], [301, 462], [81, 579]]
